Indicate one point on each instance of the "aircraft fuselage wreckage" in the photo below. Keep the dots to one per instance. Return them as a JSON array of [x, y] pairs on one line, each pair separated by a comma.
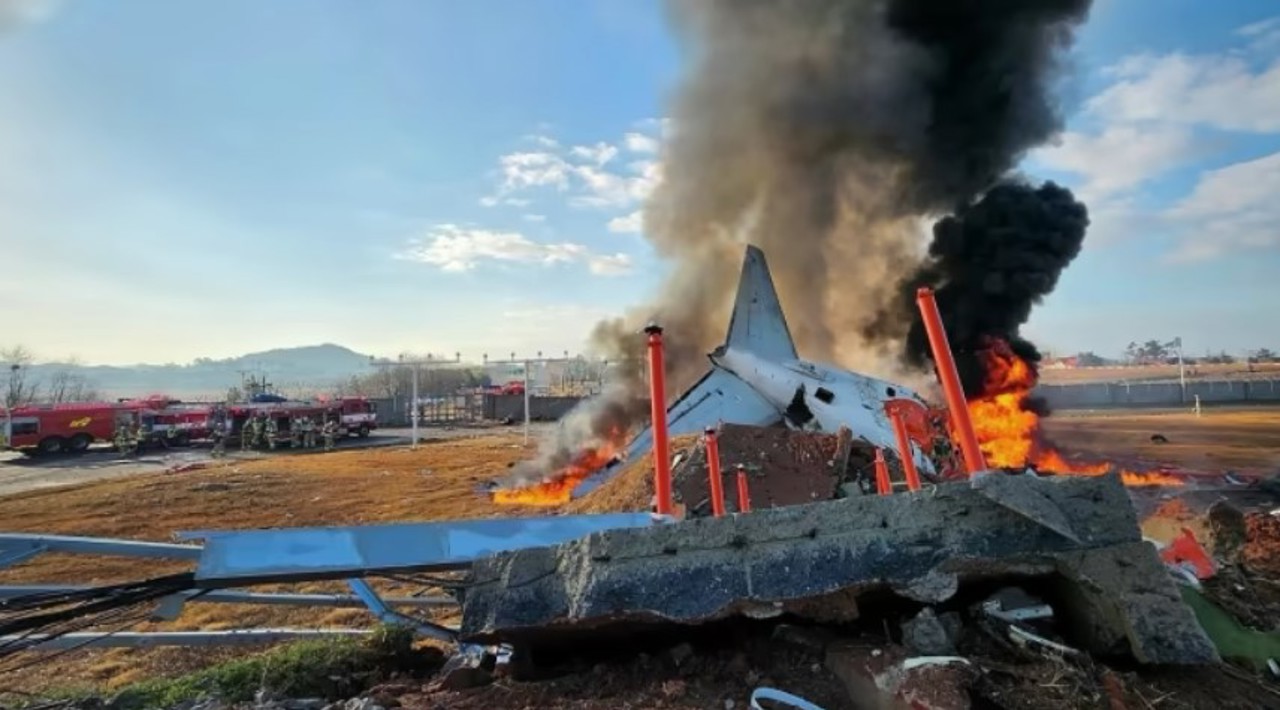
[[758, 379]]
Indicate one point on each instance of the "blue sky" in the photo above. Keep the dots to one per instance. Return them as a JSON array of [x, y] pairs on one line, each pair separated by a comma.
[[209, 178]]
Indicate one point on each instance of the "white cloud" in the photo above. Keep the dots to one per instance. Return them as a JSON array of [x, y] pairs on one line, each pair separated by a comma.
[[1219, 91], [605, 189], [456, 248], [1158, 113], [627, 224], [600, 153], [495, 200], [523, 170], [586, 172], [535, 218], [543, 140], [609, 264], [640, 143], [1231, 209], [1263, 36], [1120, 157]]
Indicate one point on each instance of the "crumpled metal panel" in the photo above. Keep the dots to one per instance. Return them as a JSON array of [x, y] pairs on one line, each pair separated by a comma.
[[240, 556], [720, 396]]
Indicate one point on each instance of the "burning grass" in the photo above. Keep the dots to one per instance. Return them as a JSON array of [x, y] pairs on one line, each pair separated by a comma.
[[1009, 428]]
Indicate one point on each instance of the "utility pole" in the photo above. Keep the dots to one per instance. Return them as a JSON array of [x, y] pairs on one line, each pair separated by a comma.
[[1182, 372], [413, 401], [10, 402], [526, 363]]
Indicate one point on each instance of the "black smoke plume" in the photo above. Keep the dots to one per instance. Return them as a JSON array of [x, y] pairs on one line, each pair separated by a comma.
[[988, 264], [825, 132]]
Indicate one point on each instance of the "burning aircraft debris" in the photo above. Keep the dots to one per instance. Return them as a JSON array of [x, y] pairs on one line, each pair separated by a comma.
[[827, 133]]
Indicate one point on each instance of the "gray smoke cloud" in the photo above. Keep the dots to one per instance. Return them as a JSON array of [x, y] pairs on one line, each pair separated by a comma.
[[826, 132]]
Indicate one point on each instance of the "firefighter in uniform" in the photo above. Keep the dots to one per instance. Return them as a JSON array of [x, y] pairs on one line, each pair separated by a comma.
[[295, 432], [249, 433], [219, 436], [122, 438], [139, 438], [271, 430], [308, 433], [330, 431]]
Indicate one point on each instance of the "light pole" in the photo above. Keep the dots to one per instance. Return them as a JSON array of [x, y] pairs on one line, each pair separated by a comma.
[[413, 404], [526, 363], [1182, 372], [10, 402]]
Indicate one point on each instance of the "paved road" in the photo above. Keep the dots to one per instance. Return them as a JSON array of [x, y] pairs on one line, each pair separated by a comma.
[[20, 473]]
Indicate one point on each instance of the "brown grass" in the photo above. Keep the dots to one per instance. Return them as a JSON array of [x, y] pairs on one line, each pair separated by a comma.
[[1080, 375], [1241, 439], [436, 482]]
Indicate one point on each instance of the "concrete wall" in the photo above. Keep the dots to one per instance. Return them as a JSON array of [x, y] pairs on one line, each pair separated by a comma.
[[541, 409], [1159, 394]]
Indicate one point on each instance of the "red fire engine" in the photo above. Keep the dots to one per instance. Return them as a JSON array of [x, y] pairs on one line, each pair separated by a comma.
[[52, 428], [355, 416], [55, 428]]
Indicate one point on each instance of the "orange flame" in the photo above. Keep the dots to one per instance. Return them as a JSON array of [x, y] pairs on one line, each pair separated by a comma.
[[1010, 434], [558, 488]]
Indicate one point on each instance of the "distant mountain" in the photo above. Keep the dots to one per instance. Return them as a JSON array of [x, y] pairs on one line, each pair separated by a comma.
[[303, 369]]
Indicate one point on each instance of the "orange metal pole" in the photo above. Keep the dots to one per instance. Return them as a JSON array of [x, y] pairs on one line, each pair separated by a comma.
[[713, 473], [658, 411], [883, 485], [744, 496], [904, 451], [950, 378]]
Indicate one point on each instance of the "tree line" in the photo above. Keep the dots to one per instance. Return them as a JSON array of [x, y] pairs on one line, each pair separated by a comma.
[[22, 386]]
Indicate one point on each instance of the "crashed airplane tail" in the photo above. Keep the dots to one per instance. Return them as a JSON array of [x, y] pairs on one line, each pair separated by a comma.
[[758, 324], [758, 379]]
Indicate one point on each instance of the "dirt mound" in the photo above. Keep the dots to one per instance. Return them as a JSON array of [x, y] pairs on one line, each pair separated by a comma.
[[783, 467], [1261, 553], [681, 678]]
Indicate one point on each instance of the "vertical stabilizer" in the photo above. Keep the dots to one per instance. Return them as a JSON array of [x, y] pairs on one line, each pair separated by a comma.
[[758, 325]]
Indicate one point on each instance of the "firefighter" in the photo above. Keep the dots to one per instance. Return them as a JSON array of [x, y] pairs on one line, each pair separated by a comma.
[[122, 438], [219, 436], [259, 430], [139, 438], [295, 432], [271, 429], [308, 433], [252, 432], [330, 431]]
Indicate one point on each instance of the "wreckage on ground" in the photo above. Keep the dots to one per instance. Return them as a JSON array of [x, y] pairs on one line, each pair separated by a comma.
[[575, 581], [758, 378]]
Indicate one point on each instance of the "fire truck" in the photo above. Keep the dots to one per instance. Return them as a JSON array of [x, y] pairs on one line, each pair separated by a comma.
[[355, 416], [57, 428], [54, 428]]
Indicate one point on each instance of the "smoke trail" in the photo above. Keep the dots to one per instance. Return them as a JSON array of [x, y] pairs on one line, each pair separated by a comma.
[[824, 131], [989, 264]]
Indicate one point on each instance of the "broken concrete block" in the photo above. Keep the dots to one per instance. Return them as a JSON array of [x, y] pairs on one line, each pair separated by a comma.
[[793, 559], [927, 634], [1122, 600]]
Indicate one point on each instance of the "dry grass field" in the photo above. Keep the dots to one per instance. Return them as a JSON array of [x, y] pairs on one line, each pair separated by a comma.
[[1081, 375], [436, 482]]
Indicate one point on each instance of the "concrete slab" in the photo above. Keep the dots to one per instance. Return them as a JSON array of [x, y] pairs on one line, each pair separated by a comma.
[[792, 559]]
